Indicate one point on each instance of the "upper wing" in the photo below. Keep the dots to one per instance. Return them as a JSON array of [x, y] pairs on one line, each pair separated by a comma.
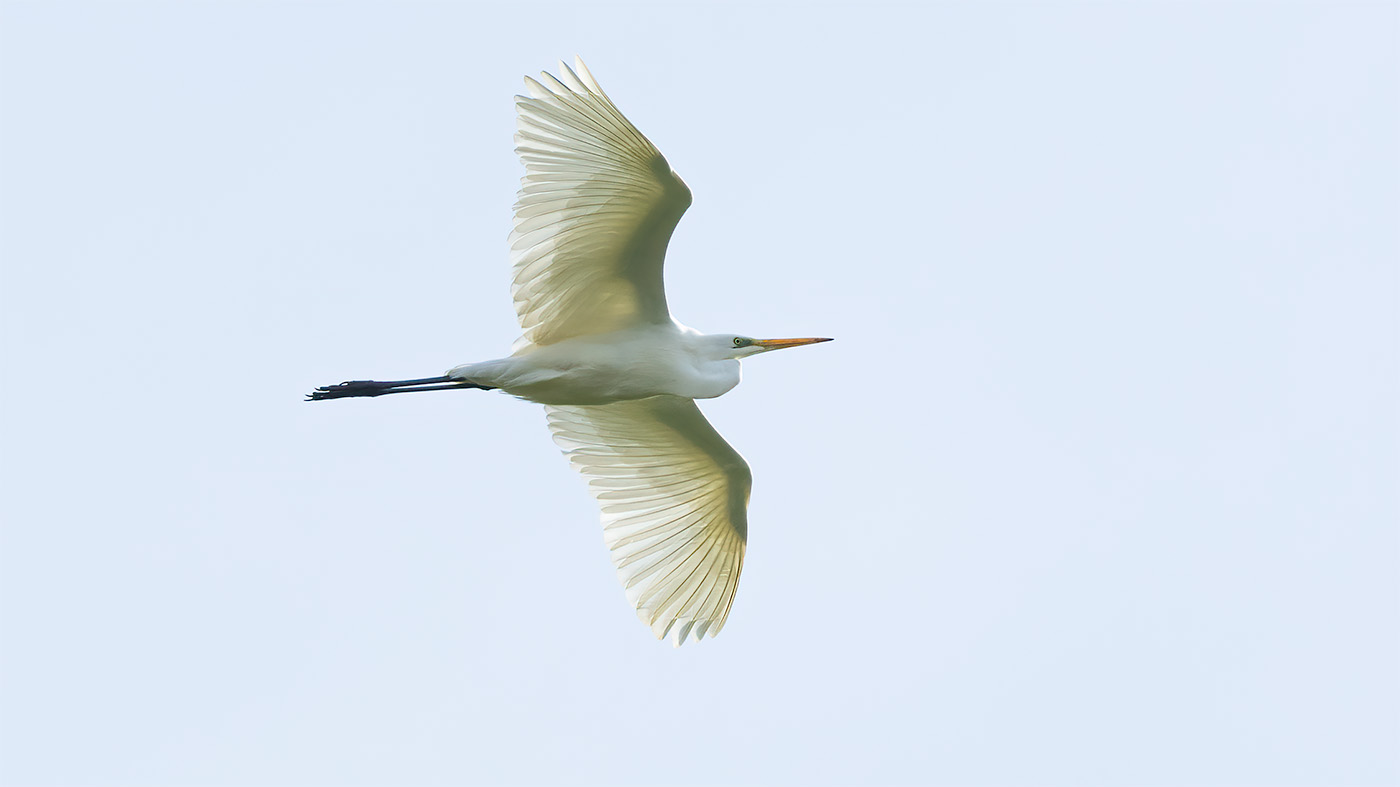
[[675, 506], [596, 209]]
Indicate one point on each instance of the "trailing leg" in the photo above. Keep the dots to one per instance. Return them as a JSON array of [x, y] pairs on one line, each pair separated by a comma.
[[380, 388]]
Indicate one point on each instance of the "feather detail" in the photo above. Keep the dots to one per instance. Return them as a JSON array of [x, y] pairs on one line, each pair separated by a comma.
[[593, 217], [674, 499]]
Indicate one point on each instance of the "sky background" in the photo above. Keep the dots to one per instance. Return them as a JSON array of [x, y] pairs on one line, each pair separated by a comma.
[[1099, 484]]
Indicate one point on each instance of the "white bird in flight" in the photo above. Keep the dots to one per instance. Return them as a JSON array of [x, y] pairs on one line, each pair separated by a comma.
[[618, 376]]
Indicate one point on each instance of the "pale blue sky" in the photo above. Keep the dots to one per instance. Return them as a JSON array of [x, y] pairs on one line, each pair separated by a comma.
[[1100, 484]]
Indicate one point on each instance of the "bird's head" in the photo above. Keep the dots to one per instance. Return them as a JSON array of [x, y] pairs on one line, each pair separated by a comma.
[[732, 346]]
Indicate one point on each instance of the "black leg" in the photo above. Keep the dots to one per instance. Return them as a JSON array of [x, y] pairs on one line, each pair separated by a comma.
[[380, 388], [397, 383]]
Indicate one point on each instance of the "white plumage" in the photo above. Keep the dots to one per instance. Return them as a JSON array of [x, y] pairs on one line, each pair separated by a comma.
[[596, 209], [600, 349], [674, 497]]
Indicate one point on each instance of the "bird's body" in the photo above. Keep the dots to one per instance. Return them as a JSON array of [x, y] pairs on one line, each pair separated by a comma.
[[634, 363], [617, 374]]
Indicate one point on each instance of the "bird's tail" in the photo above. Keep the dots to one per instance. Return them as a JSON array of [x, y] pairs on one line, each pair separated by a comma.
[[379, 388]]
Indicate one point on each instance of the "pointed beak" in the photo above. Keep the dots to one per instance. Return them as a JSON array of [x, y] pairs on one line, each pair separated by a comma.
[[779, 344]]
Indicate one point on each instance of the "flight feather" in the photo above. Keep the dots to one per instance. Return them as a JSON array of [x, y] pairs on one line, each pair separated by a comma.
[[674, 498], [596, 209]]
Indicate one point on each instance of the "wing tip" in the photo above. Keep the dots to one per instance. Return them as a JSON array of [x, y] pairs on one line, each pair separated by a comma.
[[679, 629], [587, 76], [573, 79]]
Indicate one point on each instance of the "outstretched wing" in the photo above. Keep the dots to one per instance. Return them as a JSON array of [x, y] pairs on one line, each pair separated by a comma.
[[596, 209], [675, 498]]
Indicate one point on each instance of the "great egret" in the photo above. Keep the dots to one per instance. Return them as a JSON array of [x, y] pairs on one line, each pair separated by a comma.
[[617, 375]]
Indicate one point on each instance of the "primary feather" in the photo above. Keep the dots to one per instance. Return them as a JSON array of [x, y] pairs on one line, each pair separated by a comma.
[[674, 497], [596, 209]]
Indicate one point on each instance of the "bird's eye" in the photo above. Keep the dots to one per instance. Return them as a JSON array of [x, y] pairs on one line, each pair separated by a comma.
[[740, 341]]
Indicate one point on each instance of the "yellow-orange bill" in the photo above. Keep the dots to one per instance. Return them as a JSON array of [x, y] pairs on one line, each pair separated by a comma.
[[778, 344]]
